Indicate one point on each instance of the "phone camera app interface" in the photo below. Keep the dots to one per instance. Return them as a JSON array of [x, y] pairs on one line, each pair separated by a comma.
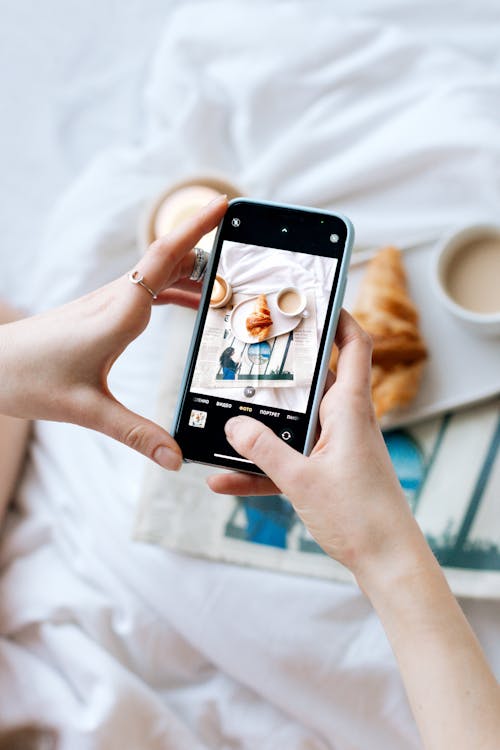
[[259, 345]]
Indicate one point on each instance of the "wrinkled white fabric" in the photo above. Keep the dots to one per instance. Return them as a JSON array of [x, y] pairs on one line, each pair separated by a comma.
[[251, 270], [126, 646]]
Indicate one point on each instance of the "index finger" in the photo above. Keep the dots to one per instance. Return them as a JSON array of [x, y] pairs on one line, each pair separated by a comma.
[[242, 484], [355, 354], [165, 253], [353, 377]]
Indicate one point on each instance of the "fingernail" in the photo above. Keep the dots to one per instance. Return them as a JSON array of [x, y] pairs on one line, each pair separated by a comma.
[[232, 425], [219, 199], [167, 458]]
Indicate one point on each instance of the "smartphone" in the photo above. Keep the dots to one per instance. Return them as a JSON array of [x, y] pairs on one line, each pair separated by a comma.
[[271, 298]]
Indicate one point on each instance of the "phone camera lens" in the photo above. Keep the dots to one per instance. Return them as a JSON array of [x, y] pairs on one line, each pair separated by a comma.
[[236, 222]]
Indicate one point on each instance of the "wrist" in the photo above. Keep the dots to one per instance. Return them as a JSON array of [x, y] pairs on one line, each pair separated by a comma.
[[402, 558], [15, 389]]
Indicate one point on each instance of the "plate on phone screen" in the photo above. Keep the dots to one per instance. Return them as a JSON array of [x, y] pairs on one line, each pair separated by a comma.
[[281, 323], [462, 367]]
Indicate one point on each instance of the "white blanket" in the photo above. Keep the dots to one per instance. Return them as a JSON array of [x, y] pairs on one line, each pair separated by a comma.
[[126, 646]]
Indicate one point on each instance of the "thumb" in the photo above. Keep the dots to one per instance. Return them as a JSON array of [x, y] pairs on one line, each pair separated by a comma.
[[253, 440], [138, 433]]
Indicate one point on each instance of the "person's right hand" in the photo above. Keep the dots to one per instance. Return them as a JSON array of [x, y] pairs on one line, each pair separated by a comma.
[[55, 365], [346, 492]]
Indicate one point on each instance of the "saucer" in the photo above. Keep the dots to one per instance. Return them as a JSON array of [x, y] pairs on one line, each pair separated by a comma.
[[281, 323]]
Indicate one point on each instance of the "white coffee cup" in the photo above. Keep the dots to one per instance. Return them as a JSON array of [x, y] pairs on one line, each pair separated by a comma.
[[291, 301], [466, 277], [221, 292], [181, 200]]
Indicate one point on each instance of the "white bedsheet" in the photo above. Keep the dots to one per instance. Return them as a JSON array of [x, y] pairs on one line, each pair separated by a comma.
[[125, 646]]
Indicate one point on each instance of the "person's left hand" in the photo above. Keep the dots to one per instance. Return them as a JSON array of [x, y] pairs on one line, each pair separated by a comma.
[[55, 365]]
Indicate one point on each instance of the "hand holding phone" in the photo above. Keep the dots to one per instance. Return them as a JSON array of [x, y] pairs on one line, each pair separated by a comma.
[[270, 303], [346, 490], [70, 350], [350, 499]]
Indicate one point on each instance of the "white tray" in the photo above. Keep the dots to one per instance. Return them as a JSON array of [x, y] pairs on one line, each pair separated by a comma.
[[281, 323], [462, 367]]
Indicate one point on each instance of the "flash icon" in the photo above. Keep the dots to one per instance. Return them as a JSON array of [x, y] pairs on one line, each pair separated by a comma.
[[334, 238]]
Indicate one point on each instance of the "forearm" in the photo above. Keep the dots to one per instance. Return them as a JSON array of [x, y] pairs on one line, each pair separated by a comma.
[[454, 696], [28, 360], [13, 439], [13, 433], [11, 361]]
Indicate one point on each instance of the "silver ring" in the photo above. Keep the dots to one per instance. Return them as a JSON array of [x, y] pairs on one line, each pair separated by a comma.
[[200, 264], [136, 278]]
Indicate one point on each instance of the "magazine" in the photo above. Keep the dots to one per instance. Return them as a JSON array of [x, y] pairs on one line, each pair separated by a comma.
[[456, 508]]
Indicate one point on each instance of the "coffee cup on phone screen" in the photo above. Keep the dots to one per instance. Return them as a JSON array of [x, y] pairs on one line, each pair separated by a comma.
[[291, 302]]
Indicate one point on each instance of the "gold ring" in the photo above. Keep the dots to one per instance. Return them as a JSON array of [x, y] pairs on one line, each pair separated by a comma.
[[136, 278]]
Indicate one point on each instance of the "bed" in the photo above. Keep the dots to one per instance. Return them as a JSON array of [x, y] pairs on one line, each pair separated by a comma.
[[126, 645]]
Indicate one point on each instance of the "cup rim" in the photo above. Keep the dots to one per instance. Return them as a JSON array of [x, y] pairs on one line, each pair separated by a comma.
[[444, 252], [214, 180], [225, 299], [303, 298]]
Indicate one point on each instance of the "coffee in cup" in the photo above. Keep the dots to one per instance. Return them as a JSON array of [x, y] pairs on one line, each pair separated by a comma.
[[179, 202], [467, 277], [221, 292], [291, 301]]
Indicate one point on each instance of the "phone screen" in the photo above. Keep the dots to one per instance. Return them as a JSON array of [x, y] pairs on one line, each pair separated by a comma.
[[262, 328]]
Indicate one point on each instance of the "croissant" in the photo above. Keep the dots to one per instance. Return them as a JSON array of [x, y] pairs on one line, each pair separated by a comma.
[[259, 321], [384, 309]]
